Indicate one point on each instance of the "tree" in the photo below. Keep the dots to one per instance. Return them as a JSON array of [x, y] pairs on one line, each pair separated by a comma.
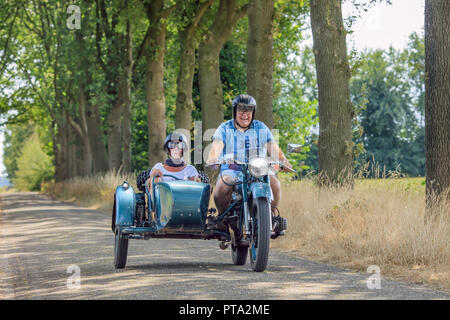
[[117, 72], [228, 14], [192, 12], [437, 97], [391, 132], [154, 79], [260, 57], [34, 166], [333, 75], [111, 85], [15, 137]]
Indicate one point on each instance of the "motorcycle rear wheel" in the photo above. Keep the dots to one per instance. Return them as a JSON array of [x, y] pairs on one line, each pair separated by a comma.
[[260, 237]]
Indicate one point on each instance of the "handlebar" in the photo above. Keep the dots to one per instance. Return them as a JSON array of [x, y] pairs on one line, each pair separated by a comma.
[[165, 175], [158, 176], [272, 164]]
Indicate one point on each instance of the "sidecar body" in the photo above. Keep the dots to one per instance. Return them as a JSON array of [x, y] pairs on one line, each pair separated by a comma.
[[174, 209]]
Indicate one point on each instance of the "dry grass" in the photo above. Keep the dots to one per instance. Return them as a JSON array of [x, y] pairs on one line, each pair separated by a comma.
[[380, 222], [92, 192]]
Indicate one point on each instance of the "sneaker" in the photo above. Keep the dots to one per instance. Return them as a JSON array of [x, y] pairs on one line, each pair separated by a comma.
[[279, 224]]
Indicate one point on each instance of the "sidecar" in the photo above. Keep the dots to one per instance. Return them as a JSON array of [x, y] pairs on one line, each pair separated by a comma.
[[174, 209]]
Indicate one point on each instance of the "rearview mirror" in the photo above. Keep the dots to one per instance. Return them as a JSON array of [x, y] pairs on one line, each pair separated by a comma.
[[294, 148]]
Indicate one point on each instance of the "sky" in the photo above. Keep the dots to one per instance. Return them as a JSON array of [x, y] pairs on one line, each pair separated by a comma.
[[382, 26]]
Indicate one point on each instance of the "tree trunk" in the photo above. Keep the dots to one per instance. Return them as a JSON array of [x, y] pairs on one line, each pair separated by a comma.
[[260, 57], [100, 159], [185, 79], [86, 155], [335, 108], [156, 104], [72, 158], [114, 131], [127, 108], [83, 154], [188, 44], [116, 75], [118, 85], [210, 87], [59, 148], [210, 83], [437, 99]]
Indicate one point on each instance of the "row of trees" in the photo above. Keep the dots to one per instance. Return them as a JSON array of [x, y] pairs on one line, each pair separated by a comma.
[[335, 152], [387, 90], [110, 90], [78, 69]]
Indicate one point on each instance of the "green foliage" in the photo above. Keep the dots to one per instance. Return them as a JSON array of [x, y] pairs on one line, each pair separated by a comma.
[[388, 88], [139, 129], [295, 86], [44, 65], [34, 166], [15, 137], [233, 72]]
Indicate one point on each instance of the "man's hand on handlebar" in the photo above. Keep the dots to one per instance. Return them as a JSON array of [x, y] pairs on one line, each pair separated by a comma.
[[286, 167]]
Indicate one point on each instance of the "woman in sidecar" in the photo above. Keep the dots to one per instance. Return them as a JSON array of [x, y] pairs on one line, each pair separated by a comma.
[[173, 203], [175, 145]]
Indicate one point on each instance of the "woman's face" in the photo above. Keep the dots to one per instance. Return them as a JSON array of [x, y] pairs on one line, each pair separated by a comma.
[[175, 153]]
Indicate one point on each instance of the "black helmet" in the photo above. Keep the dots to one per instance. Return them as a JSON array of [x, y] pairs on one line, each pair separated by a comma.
[[175, 137], [244, 99]]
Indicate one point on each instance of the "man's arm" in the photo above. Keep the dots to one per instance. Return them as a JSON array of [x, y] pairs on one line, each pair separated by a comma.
[[216, 150], [274, 151]]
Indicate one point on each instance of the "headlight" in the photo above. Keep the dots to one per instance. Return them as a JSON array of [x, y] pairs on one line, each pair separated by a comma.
[[259, 167]]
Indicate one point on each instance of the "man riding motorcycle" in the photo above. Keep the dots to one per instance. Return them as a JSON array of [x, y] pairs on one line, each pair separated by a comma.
[[243, 136]]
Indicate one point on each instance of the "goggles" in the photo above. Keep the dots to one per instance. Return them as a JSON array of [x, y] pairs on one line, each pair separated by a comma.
[[245, 108], [179, 145]]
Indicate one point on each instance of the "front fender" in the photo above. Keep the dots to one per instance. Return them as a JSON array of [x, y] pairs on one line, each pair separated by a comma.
[[261, 190], [125, 206]]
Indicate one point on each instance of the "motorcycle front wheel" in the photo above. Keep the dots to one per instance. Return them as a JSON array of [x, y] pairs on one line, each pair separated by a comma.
[[260, 234]]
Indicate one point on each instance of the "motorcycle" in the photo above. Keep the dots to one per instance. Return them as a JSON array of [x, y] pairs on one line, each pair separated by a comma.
[[179, 209]]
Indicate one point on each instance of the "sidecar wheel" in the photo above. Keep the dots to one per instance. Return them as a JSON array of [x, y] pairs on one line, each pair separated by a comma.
[[120, 251], [260, 238], [239, 255]]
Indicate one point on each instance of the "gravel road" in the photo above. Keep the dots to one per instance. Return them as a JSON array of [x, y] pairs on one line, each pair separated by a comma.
[[44, 242]]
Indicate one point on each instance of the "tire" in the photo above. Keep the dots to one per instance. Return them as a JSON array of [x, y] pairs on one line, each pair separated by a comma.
[[260, 237], [141, 178], [239, 255], [120, 251], [113, 222]]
